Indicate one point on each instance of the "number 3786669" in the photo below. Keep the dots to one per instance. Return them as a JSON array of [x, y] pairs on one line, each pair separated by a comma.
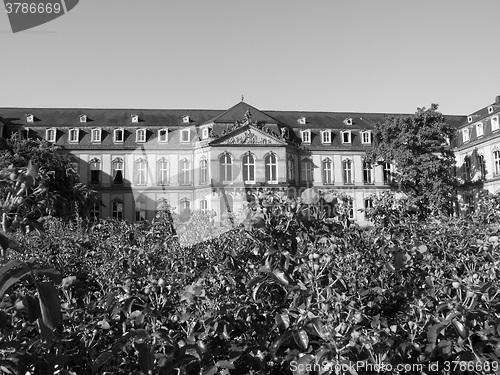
[[33, 8]]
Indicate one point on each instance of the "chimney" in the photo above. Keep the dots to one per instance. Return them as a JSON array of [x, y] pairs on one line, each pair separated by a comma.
[[497, 100]]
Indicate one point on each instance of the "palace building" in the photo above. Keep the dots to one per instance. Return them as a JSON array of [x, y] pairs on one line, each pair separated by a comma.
[[211, 159]]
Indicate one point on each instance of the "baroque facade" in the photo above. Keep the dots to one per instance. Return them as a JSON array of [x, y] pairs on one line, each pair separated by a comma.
[[210, 159]]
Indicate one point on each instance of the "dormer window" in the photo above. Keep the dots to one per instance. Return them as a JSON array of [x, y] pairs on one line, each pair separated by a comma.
[[83, 118], [306, 136], [119, 135], [302, 120], [469, 119], [30, 118], [465, 135], [74, 135], [50, 135], [346, 136], [96, 135], [185, 119], [185, 135], [366, 137], [348, 121], [490, 109], [140, 135], [479, 129], [494, 124], [326, 136], [204, 133], [163, 136], [135, 118]]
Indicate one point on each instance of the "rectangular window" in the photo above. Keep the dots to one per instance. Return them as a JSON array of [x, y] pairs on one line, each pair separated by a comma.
[[95, 172], [140, 136], [119, 135], [95, 213], [479, 130], [494, 124], [306, 136], [366, 138], [117, 210], [326, 137], [162, 173], [346, 137], [387, 173], [348, 178], [185, 172], [73, 135], [203, 172], [327, 172], [367, 173], [185, 135], [368, 203], [96, 135], [163, 135], [140, 211], [307, 171], [50, 135], [118, 171], [465, 135]]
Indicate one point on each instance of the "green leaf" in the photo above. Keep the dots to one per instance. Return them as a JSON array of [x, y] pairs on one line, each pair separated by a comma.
[[280, 275], [50, 305], [278, 341], [433, 333], [11, 273], [301, 338], [283, 321], [101, 361]]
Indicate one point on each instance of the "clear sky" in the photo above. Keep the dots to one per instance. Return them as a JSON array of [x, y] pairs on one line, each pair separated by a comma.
[[316, 55]]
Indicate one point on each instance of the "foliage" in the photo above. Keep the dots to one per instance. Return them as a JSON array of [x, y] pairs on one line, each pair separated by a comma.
[[296, 286], [418, 145], [58, 192]]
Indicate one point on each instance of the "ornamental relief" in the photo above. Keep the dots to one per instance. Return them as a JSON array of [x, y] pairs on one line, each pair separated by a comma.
[[247, 138]]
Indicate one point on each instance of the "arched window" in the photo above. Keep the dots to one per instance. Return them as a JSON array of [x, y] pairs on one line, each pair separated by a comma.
[[327, 169], [117, 210], [248, 168], [226, 168], [140, 211], [271, 168], [118, 171], [140, 172], [347, 169], [162, 172], [367, 173], [185, 172], [307, 171], [496, 162], [203, 171], [185, 204], [95, 171]]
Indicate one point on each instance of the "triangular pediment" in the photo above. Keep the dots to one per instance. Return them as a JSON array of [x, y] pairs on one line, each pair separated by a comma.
[[239, 112], [249, 135]]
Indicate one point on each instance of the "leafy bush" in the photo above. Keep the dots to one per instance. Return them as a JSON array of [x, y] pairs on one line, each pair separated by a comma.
[[295, 286]]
